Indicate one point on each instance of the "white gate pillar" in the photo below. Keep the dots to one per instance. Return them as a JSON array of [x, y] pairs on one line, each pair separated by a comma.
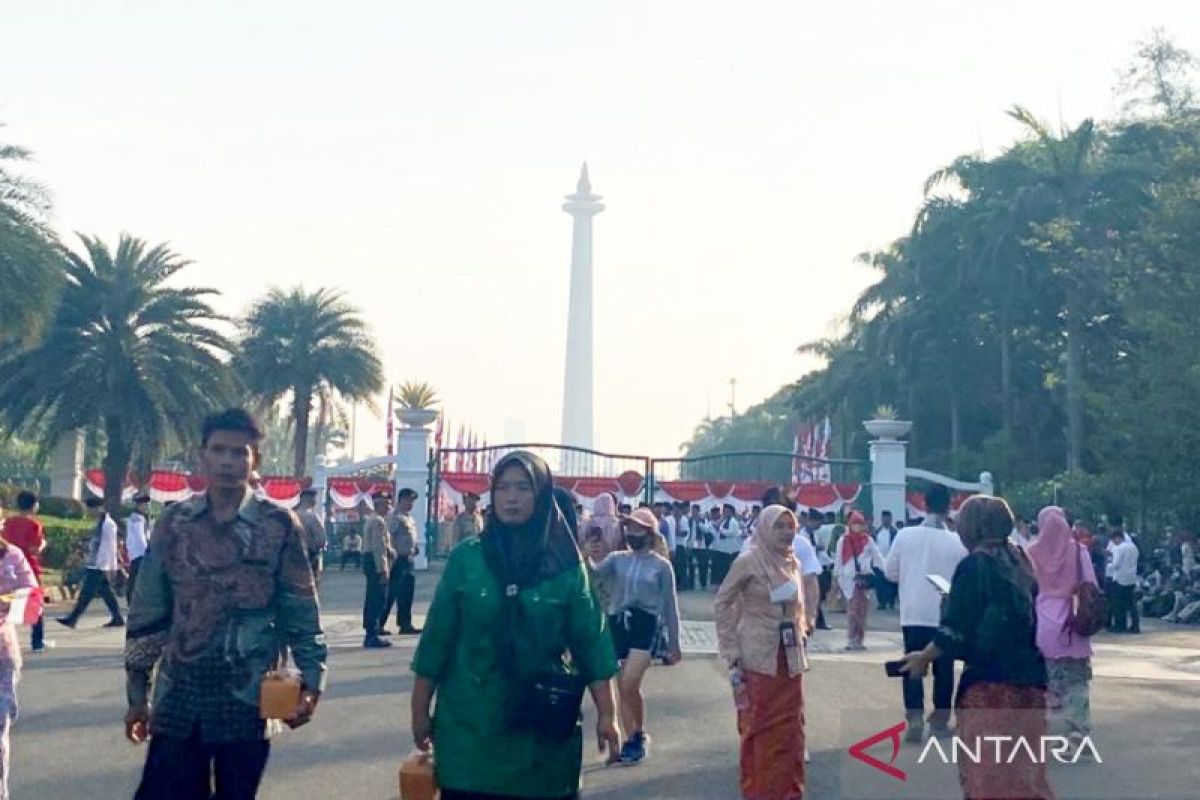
[[66, 466], [888, 466], [412, 470]]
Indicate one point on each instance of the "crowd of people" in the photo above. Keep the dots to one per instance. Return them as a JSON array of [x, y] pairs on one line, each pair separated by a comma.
[[541, 603]]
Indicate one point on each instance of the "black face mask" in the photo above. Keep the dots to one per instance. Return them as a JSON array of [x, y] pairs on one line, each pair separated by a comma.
[[638, 542]]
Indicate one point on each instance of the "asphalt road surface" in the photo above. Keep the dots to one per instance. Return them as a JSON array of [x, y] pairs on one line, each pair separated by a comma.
[[69, 742]]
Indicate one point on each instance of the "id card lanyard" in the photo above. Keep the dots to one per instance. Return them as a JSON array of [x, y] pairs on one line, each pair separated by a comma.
[[795, 647]]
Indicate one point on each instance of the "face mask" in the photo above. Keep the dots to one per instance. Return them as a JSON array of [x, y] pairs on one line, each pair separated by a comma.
[[637, 542]]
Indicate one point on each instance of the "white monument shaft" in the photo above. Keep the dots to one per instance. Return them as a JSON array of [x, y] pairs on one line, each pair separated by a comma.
[[577, 429]]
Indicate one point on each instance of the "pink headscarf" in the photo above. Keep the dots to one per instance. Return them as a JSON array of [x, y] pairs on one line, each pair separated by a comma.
[[1055, 554], [604, 517]]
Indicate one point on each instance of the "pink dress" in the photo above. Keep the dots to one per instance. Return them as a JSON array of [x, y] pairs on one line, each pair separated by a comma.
[[1052, 613]]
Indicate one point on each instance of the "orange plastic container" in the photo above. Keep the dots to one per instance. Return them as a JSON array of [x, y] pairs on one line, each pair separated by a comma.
[[416, 777], [278, 696]]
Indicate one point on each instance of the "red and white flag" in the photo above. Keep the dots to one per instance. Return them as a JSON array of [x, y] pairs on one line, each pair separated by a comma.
[[391, 426], [25, 605]]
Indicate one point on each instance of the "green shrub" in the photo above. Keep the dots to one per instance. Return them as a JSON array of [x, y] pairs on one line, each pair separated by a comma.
[[65, 507], [61, 537]]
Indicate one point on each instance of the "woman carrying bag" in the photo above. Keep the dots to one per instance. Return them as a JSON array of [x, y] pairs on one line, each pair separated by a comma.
[[858, 558], [512, 638]]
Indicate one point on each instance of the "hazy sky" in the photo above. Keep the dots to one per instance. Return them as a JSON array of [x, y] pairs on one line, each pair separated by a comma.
[[415, 155]]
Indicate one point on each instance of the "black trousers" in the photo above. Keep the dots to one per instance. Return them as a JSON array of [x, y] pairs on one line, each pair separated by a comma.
[[376, 596], [916, 637], [1124, 610], [683, 568], [825, 583], [187, 769], [95, 584], [401, 588], [700, 563], [351, 555], [885, 590], [720, 565], [134, 566]]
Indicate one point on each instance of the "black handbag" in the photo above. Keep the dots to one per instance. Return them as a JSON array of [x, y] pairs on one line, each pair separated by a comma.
[[551, 704]]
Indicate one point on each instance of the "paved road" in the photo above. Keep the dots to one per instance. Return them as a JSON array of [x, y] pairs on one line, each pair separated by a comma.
[[69, 744]]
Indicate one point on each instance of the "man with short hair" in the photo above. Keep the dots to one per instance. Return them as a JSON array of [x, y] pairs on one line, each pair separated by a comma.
[[728, 543], [702, 536], [377, 560], [224, 587], [917, 552], [885, 590], [101, 565], [137, 539], [810, 525], [680, 557], [315, 540], [468, 523], [402, 584], [1124, 576], [937, 507]]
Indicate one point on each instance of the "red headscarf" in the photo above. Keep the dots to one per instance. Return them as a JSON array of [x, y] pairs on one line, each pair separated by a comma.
[[856, 538]]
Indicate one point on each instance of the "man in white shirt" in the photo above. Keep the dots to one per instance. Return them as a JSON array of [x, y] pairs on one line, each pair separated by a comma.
[[680, 557], [810, 526], [702, 533], [810, 571], [1124, 578], [137, 538], [885, 590], [916, 553], [727, 544], [101, 563]]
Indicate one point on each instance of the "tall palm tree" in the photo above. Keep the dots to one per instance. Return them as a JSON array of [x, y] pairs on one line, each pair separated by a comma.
[[30, 257], [124, 353], [1092, 196], [301, 345]]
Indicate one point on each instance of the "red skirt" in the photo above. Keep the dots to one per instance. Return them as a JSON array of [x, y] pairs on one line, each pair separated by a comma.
[[772, 731], [1003, 709]]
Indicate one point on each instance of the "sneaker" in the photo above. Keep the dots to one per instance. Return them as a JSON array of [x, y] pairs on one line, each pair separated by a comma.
[[374, 642], [940, 730], [115, 623], [634, 751], [65, 621]]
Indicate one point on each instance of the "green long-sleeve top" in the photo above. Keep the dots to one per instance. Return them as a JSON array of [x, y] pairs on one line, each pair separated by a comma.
[[474, 750]]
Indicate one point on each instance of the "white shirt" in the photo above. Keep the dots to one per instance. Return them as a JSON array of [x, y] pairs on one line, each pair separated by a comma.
[[824, 543], [1189, 557], [1124, 563], [868, 560], [135, 536], [806, 554], [106, 554], [698, 529], [917, 552], [729, 536], [667, 524], [683, 532], [883, 538]]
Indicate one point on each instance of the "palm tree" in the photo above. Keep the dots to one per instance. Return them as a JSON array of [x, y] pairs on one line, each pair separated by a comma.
[[30, 257], [1091, 196], [124, 353], [305, 345]]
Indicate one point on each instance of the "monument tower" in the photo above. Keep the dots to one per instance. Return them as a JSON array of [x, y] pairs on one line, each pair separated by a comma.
[[577, 426]]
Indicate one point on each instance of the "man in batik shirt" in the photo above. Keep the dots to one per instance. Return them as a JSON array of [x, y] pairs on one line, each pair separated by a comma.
[[224, 587]]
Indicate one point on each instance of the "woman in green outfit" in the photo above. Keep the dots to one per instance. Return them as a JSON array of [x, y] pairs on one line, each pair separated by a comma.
[[514, 626]]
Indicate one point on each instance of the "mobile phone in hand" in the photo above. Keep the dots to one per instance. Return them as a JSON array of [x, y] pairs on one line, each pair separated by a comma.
[[892, 668]]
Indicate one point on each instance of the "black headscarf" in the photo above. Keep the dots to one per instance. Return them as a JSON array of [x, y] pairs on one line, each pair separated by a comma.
[[525, 555]]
